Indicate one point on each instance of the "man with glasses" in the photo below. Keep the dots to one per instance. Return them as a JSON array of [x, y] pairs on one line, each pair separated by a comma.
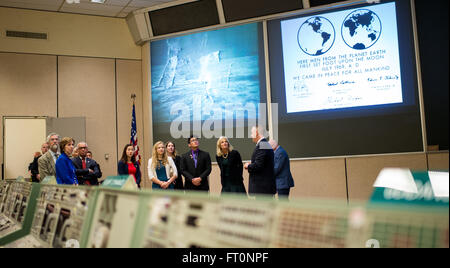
[[87, 170], [195, 167]]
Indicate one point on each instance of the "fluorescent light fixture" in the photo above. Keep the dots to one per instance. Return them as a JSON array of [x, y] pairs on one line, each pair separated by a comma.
[[98, 1]]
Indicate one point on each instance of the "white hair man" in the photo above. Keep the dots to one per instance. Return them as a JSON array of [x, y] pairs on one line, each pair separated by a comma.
[[261, 179], [47, 162], [87, 170]]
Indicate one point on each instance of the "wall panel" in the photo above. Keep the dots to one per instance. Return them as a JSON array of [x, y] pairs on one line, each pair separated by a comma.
[[322, 178], [129, 81], [438, 161], [87, 88], [363, 171], [68, 34], [27, 88]]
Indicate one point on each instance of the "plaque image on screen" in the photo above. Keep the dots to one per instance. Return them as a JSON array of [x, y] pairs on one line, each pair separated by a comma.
[[339, 60], [345, 79]]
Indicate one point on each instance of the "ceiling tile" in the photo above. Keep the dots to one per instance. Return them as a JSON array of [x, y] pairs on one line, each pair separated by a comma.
[[121, 3], [92, 9], [122, 15], [48, 5], [148, 3]]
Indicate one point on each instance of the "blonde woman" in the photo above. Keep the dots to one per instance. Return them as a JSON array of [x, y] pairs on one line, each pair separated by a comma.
[[231, 167], [161, 168]]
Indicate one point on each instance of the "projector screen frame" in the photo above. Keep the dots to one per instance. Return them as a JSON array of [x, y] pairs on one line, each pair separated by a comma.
[[304, 12]]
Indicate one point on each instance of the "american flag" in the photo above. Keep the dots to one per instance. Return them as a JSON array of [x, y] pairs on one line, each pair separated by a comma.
[[134, 139]]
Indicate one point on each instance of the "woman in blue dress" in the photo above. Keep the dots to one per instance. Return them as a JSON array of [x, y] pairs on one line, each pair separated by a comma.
[[161, 168], [65, 170]]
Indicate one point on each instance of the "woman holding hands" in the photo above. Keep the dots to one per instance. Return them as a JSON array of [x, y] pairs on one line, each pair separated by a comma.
[[161, 168]]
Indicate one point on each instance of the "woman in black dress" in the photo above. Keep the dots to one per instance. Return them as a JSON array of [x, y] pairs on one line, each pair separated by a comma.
[[231, 167]]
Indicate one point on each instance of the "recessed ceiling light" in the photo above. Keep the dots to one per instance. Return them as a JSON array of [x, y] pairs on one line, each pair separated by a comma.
[[98, 1]]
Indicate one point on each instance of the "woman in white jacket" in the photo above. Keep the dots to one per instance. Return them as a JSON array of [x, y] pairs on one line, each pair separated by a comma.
[[161, 169]]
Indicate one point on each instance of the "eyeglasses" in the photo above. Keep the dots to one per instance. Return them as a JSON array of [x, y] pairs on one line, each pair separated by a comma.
[[82, 148]]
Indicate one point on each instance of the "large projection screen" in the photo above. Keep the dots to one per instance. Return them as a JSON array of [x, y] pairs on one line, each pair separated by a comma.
[[209, 84], [345, 81]]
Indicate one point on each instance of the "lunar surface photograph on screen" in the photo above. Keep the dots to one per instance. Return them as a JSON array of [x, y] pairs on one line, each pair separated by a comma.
[[217, 69]]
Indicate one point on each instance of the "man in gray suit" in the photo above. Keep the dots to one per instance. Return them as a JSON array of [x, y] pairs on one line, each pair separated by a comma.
[[48, 160], [282, 170]]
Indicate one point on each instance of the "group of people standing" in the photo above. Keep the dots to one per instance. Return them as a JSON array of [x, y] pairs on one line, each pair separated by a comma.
[[57, 160], [269, 169]]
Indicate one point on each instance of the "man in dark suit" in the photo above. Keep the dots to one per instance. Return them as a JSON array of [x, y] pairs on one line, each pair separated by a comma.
[[282, 170], [34, 166], [87, 170], [196, 167], [261, 168]]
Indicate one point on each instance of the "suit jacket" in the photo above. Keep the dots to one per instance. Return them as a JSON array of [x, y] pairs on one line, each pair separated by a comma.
[[189, 170], [179, 181], [34, 169], [46, 165], [261, 170], [65, 171], [122, 169], [282, 169], [83, 175]]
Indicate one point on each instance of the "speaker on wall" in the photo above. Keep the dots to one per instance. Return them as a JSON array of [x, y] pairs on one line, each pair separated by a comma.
[[315, 3], [235, 10], [188, 16]]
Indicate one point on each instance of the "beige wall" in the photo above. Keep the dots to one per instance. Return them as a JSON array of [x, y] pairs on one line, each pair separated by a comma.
[[146, 110], [129, 81], [86, 87], [363, 171], [331, 178], [27, 88], [323, 178], [39, 85], [68, 34], [17, 141], [95, 67], [438, 161]]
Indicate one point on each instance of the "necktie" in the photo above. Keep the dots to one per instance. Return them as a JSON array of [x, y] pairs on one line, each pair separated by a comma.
[[84, 163], [194, 155]]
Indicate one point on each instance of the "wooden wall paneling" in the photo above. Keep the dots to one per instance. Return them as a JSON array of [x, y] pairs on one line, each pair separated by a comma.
[[438, 161], [87, 88], [27, 88], [363, 171], [129, 81], [322, 178]]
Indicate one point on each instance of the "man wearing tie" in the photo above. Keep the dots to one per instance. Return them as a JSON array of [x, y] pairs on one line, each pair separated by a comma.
[[87, 170], [196, 167], [46, 163], [261, 169]]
